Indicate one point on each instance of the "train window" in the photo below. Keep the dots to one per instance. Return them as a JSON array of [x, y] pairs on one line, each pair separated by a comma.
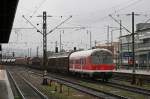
[[96, 59], [101, 58], [77, 62], [82, 61], [107, 58]]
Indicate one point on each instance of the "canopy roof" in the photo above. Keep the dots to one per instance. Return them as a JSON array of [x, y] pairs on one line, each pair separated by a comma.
[[7, 14]]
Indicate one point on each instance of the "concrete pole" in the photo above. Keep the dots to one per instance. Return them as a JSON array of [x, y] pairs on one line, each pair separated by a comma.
[[44, 40], [45, 48], [133, 42], [133, 58], [120, 51]]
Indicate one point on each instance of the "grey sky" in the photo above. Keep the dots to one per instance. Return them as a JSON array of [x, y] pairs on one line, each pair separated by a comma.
[[86, 13]]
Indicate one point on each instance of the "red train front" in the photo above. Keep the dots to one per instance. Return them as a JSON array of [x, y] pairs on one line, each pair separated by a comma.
[[97, 63]]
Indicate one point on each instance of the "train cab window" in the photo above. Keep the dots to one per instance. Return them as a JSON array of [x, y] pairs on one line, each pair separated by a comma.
[[101, 58], [107, 58], [97, 59]]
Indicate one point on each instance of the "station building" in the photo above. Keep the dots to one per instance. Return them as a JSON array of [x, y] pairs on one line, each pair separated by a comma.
[[142, 47]]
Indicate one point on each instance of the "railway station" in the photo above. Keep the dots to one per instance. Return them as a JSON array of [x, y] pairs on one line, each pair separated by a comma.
[[74, 49]]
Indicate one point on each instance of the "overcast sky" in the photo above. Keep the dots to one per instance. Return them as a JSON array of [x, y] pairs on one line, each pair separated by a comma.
[[92, 14]]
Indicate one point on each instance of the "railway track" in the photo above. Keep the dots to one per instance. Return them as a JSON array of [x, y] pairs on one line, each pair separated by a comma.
[[128, 77], [88, 90], [72, 83], [129, 88], [113, 84], [24, 88], [123, 87]]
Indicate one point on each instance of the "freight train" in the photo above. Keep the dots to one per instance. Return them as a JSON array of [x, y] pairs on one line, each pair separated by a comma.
[[95, 63]]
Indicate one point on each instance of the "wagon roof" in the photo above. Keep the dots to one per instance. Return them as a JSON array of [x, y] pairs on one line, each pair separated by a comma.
[[57, 55], [87, 53]]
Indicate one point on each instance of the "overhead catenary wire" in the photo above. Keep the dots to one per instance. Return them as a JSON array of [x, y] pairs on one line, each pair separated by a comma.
[[39, 6], [123, 8], [117, 10], [59, 25], [119, 23], [32, 24], [127, 6]]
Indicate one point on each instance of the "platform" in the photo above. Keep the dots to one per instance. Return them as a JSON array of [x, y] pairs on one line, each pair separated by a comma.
[[5, 89], [142, 72]]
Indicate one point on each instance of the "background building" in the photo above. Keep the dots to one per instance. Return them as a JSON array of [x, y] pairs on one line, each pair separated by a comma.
[[142, 47]]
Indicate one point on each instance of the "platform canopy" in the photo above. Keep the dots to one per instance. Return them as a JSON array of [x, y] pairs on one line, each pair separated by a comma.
[[7, 14]]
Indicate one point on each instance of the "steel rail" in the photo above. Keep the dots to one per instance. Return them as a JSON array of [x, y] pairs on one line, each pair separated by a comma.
[[88, 90], [16, 86], [121, 86], [30, 85], [35, 89], [82, 88], [129, 88]]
